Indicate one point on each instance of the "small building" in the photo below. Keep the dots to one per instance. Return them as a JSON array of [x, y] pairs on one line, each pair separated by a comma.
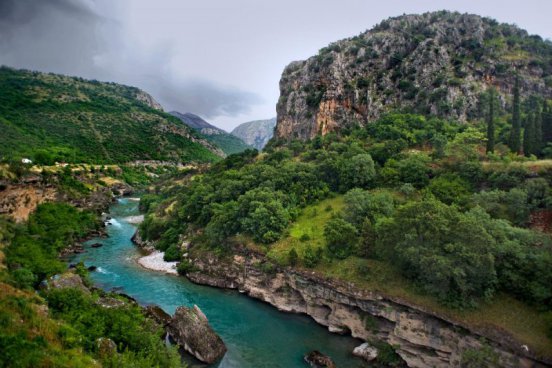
[[26, 161]]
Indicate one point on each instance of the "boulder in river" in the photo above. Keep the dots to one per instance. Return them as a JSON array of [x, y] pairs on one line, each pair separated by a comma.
[[366, 352], [96, 245], [92, 268], [157, 314], [318, 360], [190, 329]]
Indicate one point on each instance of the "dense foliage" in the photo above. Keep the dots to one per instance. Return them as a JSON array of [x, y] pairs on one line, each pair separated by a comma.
[[68, 335], [48, 118], [417, 195]]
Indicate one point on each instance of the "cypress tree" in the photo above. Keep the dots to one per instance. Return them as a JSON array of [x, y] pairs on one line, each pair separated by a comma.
[[515, 133], [538, 132], [546, 123], [490, 122], [529, 136]]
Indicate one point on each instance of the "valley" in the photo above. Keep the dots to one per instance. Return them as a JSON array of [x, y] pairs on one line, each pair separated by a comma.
[[396, 213]]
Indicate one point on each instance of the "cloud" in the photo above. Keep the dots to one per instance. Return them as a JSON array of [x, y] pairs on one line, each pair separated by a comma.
[[85, 38]]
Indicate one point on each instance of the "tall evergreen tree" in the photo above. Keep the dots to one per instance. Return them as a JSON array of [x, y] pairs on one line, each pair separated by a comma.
[[490, 122], [546, 123], [538, 132], [529, 135], [515, 133]]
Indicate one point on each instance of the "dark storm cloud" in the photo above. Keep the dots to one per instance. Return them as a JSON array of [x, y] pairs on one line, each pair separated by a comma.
[[73, 37], [206, 99]]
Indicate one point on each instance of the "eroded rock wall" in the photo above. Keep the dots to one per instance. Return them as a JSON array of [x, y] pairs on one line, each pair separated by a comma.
[[421, 338]]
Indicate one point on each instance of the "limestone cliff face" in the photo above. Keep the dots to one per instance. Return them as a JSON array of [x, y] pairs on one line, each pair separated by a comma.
[[256, 133], [421, 338], [434, 63], [148, 100]]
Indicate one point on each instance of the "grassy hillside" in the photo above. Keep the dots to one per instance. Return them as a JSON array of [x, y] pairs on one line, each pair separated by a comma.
[[227, 143], [49, 117]]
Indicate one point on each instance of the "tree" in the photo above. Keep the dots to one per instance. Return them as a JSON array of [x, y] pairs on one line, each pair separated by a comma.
[[341, 237], [448, 253], [515, 134], [529, 135], [358, 172], [490, 122], [538, 132], [361, 204], [293, 257], [546, 123]]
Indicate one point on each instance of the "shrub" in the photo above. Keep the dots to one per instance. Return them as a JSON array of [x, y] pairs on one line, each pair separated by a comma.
[[341, 237]]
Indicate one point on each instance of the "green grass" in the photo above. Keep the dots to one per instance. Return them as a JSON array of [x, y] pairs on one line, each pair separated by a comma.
[[310, 223]]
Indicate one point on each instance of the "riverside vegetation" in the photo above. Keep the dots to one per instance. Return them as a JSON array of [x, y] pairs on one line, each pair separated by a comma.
[[397, 186], [410, 205]]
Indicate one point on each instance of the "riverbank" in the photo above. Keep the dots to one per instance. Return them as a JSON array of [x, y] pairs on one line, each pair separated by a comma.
[[155, 262], [255, 333], [420, 337]]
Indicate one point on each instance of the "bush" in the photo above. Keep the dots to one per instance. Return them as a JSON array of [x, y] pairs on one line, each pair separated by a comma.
[[341, 237], [172, 253], [293, 257]]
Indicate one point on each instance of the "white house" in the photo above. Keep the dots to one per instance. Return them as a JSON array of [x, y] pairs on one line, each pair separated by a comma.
[[26, 161]]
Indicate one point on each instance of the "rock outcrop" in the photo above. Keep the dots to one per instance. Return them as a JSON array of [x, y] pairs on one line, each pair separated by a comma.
[[434, 63], [256, 133], [66, 280], [421, 338], [190, 329], [318, 360], [148, 100], [366, 352]]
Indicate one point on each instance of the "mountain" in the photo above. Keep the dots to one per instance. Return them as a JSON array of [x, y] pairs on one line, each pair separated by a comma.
[[228, 143], [50, 117], [256, 133], [435, 63]]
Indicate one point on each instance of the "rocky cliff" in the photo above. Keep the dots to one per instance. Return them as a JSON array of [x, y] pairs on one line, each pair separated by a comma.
[[256, 133], [434, 63], [421, 338]]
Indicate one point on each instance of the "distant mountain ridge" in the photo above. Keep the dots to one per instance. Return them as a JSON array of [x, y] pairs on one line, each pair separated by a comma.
[[49, 117], [256, 133], [227, 142]]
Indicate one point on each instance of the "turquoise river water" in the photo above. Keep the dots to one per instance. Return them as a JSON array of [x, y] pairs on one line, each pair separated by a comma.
[[255, 333]]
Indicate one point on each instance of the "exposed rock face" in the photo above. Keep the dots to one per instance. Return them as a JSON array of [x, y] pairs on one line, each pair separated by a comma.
[[435, 63], [256, 133], [318, 360], [366, 352], [148, 100], [68, 279], [147, 246], [190, 329], [422, 338], [157, 314]]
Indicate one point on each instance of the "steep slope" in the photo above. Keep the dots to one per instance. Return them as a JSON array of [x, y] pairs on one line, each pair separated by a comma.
[[256, 133], [434, 63], [49, 117], [228, 143]]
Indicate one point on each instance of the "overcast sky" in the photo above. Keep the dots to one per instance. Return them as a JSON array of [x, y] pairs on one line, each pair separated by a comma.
[[220, 59]]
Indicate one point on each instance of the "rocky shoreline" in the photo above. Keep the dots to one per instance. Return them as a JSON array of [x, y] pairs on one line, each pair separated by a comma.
[[420, 337]]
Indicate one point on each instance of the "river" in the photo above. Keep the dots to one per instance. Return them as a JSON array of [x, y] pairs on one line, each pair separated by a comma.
[[256, 334]]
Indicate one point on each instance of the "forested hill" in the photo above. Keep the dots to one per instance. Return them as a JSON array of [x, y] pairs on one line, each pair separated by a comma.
[[227, 142], [49, 117], [434, 63]]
